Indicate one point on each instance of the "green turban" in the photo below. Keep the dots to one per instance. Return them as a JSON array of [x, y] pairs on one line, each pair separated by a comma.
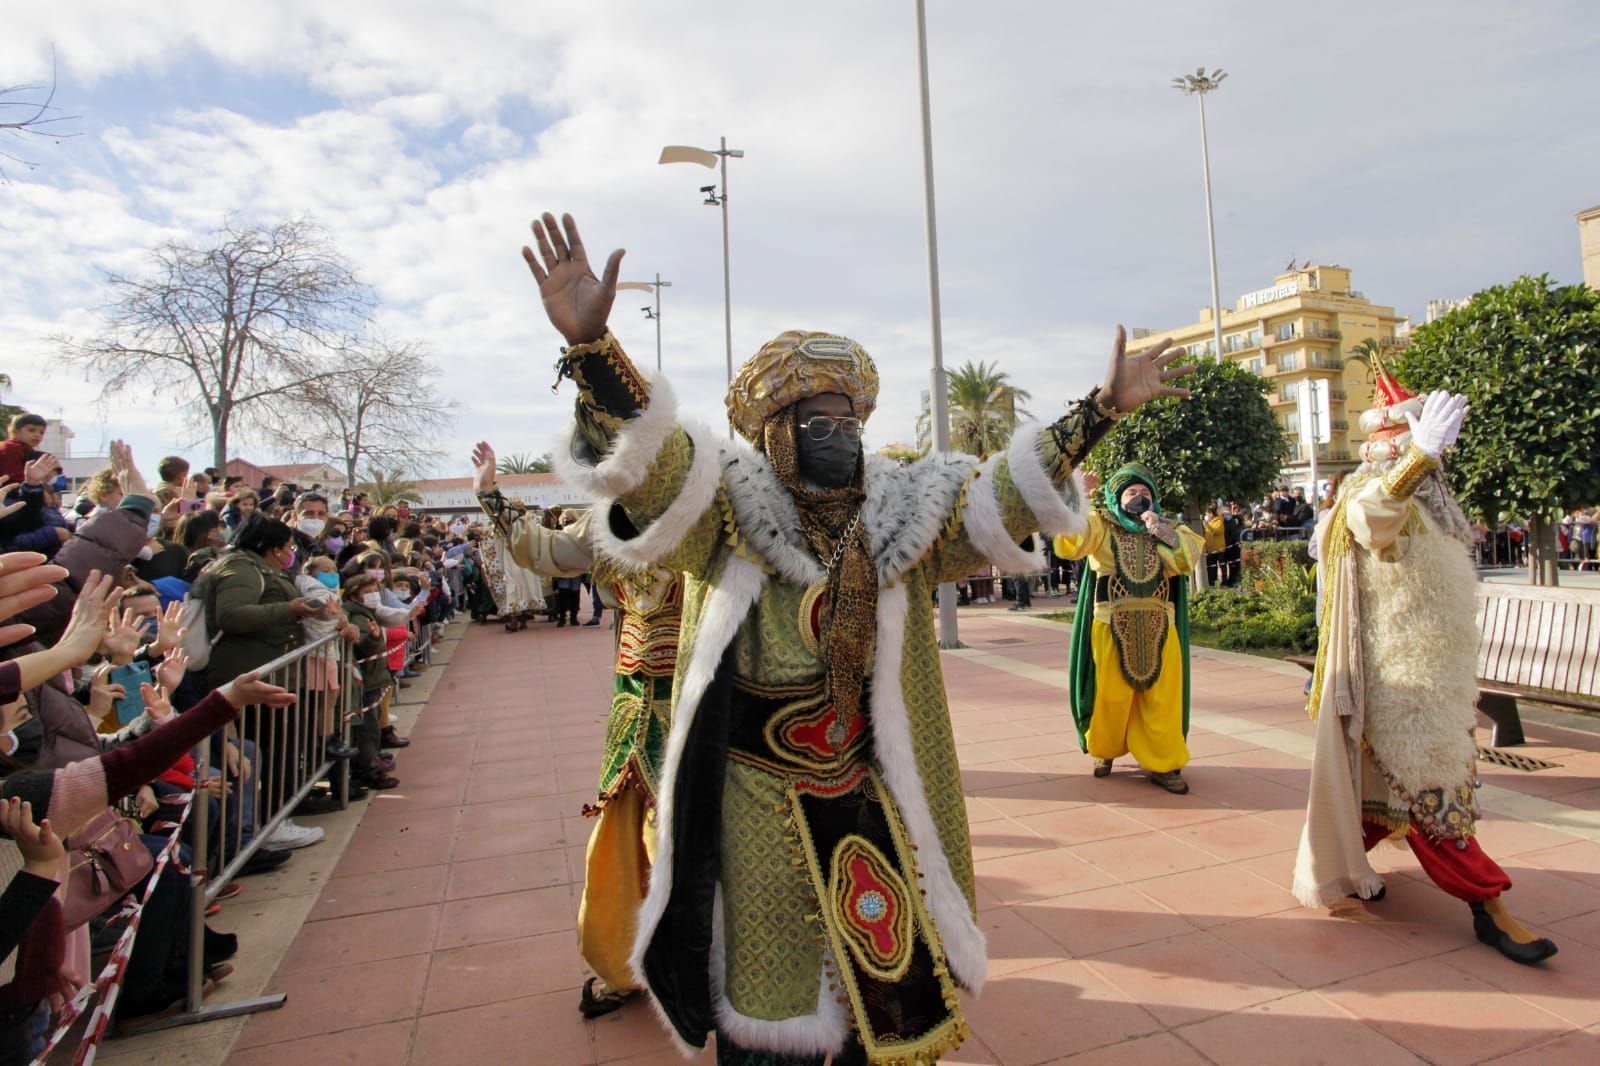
[[1132, 474]]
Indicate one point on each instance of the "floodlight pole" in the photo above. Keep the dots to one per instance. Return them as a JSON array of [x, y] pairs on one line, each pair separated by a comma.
[[949, 637], [1197, 85]]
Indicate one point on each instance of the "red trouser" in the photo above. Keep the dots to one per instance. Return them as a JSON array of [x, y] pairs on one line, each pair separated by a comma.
[[1466, 873]]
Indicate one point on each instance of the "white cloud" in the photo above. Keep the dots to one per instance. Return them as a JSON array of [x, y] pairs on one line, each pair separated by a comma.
[[1069, 198]]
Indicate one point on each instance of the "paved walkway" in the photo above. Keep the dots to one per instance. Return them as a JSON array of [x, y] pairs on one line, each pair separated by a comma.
[[1125, 925]]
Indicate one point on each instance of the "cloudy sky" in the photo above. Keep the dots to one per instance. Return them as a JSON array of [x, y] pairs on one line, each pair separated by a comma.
[[1435, 148]]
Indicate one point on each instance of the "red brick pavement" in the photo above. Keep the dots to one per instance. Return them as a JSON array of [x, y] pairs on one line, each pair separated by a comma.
[[1125, 925]]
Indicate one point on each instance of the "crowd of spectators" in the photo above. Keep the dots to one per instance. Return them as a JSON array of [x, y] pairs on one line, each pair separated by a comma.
[[101, 717]]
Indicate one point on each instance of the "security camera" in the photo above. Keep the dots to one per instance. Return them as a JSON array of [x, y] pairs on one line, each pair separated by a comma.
[[708, 188]]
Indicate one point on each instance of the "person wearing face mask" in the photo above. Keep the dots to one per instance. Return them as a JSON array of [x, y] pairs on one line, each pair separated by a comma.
[[362, 600], [254, 612], [813, 892], [1130, 637]]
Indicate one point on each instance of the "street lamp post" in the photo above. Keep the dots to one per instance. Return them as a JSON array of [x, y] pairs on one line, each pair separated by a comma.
[[1197, 85], [677, 153], [651, 286], [949, 637]]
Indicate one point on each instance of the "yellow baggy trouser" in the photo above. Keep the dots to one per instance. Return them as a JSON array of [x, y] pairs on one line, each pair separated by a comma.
[[616, 870], [1148, 724]]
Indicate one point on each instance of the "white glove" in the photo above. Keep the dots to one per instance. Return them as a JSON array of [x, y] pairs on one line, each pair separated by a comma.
[[1440, 422]]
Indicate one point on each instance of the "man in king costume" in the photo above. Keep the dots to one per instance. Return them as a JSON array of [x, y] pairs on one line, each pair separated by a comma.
[[813, 889], [1130, 636], [649, 604], [1394, 690]]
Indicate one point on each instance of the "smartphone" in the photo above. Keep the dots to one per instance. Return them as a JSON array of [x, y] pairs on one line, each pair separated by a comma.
[[130, 677], [190, 506]]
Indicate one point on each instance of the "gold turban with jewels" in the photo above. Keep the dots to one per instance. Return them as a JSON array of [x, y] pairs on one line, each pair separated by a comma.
[[794, 365]]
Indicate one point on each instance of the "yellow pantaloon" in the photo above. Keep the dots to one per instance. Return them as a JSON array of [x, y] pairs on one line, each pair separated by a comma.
[[616, 870], [1148, 724]]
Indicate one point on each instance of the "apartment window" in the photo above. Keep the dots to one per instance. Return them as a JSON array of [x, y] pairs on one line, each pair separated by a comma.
[[1290, 390], [1291, 420], [1258, 365], [1285, 331], [1289, 361]]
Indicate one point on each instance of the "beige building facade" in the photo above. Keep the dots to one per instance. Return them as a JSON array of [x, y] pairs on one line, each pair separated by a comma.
[[1589, 245], [1296, 330]]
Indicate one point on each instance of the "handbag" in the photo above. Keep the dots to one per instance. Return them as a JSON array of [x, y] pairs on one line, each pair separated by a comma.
[[105, 859]]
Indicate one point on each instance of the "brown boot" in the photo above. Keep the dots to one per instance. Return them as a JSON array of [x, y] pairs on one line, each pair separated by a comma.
[[1171, 782]]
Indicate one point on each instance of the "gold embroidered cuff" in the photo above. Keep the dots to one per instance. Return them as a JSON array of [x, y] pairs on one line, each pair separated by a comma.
[[1403, 478], [498, 509]]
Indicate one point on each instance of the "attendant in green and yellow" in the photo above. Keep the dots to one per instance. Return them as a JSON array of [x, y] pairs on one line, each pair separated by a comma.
[[621, 851], [1130, 637]]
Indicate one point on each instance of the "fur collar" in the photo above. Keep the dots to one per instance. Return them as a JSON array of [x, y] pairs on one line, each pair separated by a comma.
[[904, 510]]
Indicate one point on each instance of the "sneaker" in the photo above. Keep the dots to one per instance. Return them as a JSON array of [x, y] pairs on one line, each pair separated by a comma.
[[407, 674], [289, 836]]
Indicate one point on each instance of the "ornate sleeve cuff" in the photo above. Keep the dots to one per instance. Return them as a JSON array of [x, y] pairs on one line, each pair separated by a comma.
[[610, 388], [1076, 433], [1403, 478], [502, 513]]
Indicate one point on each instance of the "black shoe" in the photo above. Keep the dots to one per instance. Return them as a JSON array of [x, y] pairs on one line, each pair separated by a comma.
[[1383, 890], [379, 781], [264, 861], [593, 1005], [1527, 954], [561, 623], [219, 947], [1102, 767], [340, 752], [391, 739], [591, 622]]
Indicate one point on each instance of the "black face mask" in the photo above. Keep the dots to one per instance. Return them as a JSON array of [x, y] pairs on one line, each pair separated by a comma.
[[830, 463], [1136, 506]]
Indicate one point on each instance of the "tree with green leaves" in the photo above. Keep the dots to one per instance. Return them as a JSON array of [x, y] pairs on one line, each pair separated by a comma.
[[1222, 442], [984, 408], [389, 486], [524, 463], [1527, 357]]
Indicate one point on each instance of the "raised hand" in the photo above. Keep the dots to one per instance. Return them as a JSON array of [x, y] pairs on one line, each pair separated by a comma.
[[42, 851], [121, 637], [172, 669], [157, 701], [40, 470], [127, 473], [483, 466], [1440, 422], [103, 693], [247, 689], [577, 302], [1135, 380], [27, 579], [170, 629], [91, 617]]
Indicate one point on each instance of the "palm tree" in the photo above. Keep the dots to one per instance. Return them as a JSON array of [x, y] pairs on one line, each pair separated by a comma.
[[1369, 353], [391, 487], [984, 408], [524, 463]]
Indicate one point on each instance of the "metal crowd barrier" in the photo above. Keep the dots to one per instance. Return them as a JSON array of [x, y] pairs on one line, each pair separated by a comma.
[[289, 759]]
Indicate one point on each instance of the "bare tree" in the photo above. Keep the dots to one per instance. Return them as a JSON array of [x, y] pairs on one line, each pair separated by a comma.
[[29, 111], [229, 328], [377, 409]]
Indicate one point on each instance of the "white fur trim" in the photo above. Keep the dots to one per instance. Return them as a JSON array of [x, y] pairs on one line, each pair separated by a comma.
[[981, 520], [819, 1033], [766, 515], [964, 944], [663, 536], [906, 507], [625, 467], [1376, 418], [1058, 511], [1386, 449], [737, 590]]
